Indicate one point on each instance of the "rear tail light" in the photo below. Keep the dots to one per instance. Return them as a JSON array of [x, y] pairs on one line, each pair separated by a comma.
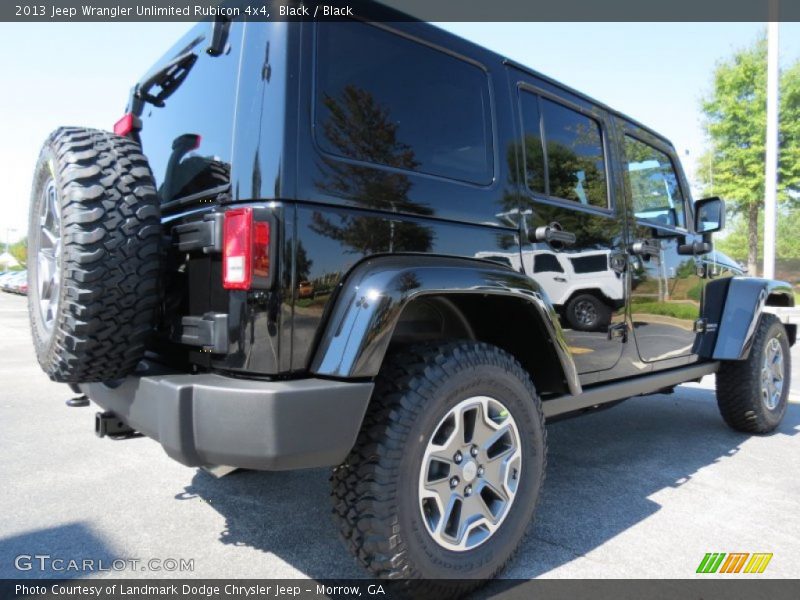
[[125, 125], [261, 250], [246, 250]]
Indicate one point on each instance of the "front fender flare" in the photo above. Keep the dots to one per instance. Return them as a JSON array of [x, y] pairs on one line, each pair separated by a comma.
[[732, 310], [374, 294]]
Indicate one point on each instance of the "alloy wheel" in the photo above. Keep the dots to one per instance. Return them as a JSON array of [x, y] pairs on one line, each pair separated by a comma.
[[772, 374], [469, 474], [48, 255]]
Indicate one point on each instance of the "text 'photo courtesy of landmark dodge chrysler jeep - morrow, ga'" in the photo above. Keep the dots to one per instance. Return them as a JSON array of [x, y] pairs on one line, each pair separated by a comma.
[[334, 244]]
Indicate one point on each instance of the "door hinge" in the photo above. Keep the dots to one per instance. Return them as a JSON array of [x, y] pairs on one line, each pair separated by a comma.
[[703, 326], [205, 234], [210, 332], [618, 331]]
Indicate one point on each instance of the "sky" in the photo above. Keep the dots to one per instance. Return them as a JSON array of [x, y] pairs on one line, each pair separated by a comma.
[[81, 74]]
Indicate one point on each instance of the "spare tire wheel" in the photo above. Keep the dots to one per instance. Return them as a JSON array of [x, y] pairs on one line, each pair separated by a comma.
[[93, 255]]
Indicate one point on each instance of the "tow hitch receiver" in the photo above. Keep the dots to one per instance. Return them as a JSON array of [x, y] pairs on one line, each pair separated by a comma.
[[109, 424]]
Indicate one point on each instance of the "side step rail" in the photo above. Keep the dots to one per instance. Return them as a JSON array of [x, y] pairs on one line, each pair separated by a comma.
[[619, 390]]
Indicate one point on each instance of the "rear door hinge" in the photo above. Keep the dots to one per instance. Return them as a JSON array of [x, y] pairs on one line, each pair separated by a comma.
[[204, 235], [209, 332], [703, 326], [618, 332]]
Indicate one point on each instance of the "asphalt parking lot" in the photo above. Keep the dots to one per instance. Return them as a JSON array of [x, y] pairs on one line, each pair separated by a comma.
[[642, 490]]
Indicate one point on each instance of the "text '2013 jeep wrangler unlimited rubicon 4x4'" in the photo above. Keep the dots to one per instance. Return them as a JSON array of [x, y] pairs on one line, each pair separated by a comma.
[[331, 244]]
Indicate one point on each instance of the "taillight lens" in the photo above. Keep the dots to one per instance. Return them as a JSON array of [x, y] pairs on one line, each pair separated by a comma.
[[125, 125], [245, 249], [237, 241], [261, 250]]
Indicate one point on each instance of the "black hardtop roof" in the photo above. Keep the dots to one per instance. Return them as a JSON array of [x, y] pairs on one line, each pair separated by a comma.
[[587, 98], [383, 13]]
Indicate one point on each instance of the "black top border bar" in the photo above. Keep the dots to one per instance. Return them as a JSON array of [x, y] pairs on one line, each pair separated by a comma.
[[404, 10]]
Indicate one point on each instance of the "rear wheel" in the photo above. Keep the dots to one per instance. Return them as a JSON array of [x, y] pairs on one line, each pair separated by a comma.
[[93, 255], [753, 394], [446, 472]]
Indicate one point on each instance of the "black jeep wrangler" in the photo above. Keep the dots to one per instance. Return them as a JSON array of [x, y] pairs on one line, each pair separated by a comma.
[[333, 244]]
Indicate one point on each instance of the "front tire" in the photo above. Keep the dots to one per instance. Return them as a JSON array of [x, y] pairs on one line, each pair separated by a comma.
[[753, 394], [452, 428]]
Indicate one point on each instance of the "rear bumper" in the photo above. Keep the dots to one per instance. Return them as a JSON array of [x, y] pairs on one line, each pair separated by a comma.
[[210, 419]]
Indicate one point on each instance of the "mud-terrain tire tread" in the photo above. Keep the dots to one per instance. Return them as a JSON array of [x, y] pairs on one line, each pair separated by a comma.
[[739, 384], [364, 487], [110, 256]]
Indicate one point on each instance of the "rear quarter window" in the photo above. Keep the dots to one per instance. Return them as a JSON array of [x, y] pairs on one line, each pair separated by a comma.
[[384, 99]]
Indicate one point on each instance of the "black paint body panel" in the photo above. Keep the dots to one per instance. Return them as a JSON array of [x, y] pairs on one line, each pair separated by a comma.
[[333, 209]]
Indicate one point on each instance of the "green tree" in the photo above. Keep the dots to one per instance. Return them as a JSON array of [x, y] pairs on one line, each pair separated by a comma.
[[735, 122], [734, 243]]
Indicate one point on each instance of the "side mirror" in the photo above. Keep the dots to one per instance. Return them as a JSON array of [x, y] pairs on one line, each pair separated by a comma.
[[709, 215]]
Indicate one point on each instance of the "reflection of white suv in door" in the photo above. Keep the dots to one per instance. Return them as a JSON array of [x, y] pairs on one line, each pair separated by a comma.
[[582, 285]]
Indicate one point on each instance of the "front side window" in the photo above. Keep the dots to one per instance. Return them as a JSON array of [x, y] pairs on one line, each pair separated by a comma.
[[654, 188], [573, 152], [384, 99], [547, 263]]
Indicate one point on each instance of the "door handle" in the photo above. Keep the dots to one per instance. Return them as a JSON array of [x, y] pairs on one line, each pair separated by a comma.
[[646, 248], [560, 279], [554, 233]]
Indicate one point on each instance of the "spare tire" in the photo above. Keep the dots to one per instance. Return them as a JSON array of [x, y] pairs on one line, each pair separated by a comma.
[[93, 255]]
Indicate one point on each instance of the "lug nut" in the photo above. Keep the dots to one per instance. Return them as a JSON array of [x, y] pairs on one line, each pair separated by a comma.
[[468, 490], [480, 471], [454, 482], [474, 451], [458, 457]]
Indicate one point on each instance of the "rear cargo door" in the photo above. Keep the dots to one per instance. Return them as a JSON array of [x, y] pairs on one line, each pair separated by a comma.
[[187, 123]]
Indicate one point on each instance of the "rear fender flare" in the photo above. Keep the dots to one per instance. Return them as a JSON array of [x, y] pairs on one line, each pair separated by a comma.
[[373, 295]]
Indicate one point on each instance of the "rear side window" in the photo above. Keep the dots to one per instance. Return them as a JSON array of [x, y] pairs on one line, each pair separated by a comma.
[[533, 148], [387, 100], [564, 155], [654, 188], [594, 263]]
